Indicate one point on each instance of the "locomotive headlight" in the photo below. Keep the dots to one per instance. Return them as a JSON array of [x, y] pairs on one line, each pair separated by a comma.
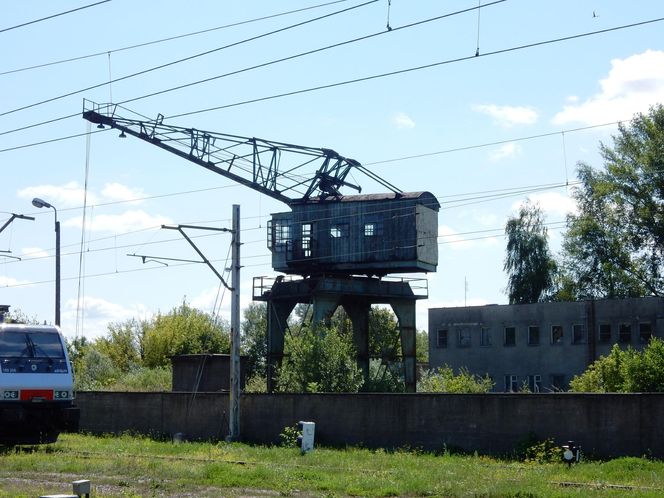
[[61, 394], [9, 395]]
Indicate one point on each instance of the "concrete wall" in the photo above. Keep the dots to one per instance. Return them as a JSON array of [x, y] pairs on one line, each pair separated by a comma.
[[606, 425]]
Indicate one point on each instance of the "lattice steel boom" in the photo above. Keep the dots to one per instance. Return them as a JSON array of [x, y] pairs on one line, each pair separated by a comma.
[[286, 172]]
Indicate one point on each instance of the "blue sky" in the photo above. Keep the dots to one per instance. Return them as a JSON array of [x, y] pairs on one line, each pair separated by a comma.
[[427, 129]]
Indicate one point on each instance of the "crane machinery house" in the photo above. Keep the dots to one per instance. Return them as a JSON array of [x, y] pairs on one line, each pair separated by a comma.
[[374, 234]]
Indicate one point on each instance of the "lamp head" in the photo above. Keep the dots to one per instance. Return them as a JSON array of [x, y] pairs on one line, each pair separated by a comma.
[[40, 203]]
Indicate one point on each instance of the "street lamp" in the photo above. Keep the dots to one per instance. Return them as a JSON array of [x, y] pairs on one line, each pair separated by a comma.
[[40, 203]]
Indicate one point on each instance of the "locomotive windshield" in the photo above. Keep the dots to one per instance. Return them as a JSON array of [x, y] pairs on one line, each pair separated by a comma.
[[30, 344]]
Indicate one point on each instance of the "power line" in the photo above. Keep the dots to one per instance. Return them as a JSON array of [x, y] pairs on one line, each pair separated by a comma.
[[262, 65], [178, 61], [170, 38], [416, 68], [491, 144], [52, 16], [309, 52]]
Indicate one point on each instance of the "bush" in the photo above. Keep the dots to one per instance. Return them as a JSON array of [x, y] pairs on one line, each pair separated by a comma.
[[625, 370], [443, 380]]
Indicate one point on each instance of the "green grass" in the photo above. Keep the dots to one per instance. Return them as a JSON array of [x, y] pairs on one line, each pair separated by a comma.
[[136, 466]]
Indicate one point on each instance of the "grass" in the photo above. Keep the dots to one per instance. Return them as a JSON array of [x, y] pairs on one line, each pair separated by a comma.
[[137, 466]]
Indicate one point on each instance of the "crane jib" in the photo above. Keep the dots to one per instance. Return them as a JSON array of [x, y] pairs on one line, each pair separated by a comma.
[[286, 172]]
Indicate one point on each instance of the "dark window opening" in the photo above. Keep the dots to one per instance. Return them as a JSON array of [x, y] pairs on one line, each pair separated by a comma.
[[533, 336], [556, 334], [604, 333], [578, 334], [625, 333], [645, 332], [510, 336], [464, 338], [441, 339]]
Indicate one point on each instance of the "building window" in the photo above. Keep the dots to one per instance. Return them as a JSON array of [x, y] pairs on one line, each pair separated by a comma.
[[441, 338], [535, 383], [625, 333], [558, 382], [645, 332], [556, 334], [485, 336], [511, 384], [372, 229], [533, 335], [604, 333], [278, 235], [307, 238], [339, 230], [510, 336], [578, 334], [463, 340]]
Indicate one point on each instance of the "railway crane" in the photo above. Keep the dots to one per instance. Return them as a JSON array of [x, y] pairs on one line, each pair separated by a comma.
[[341, 245]]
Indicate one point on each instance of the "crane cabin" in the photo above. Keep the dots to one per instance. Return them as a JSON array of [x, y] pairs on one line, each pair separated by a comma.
[[373, 234]]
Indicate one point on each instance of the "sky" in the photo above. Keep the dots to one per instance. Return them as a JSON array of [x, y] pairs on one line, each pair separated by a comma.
[[484, 108]]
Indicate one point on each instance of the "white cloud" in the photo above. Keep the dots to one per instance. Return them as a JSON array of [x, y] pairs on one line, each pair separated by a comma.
[[119, 223], [70, 194], [10, 282], [119, 192], [34, 252], [632, 85], [97, 314], [553, 204], [505, 151], [402, 121], [452, 238], [508, 116]]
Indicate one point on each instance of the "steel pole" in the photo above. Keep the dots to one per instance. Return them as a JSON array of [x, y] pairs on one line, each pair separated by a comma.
[[57, 270]]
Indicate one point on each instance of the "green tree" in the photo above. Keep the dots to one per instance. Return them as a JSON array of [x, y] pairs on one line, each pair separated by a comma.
[[254, 339], [614, 245], [528, 262], [625, 370], [443, 380], [185, 330], [123, 343], [319, 359]]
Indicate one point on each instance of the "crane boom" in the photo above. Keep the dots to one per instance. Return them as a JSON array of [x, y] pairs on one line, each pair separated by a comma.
[[280, 170]]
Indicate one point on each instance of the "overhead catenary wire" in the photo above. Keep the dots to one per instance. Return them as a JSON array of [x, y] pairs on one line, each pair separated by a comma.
[[256, 66], [184, 59], [321, 87], [309, 52], [170, 38], [53, 16], [415, 68]]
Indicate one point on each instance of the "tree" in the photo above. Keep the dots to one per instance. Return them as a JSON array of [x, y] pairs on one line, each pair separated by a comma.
[[625, 370], [185, 330], [254, 339], [614, 245], [319, 359], [528, 262], [123, 343]]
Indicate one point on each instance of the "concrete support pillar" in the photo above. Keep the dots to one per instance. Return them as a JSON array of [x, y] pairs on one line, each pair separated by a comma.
[[277, 322], [358, 312], [405, 311]]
